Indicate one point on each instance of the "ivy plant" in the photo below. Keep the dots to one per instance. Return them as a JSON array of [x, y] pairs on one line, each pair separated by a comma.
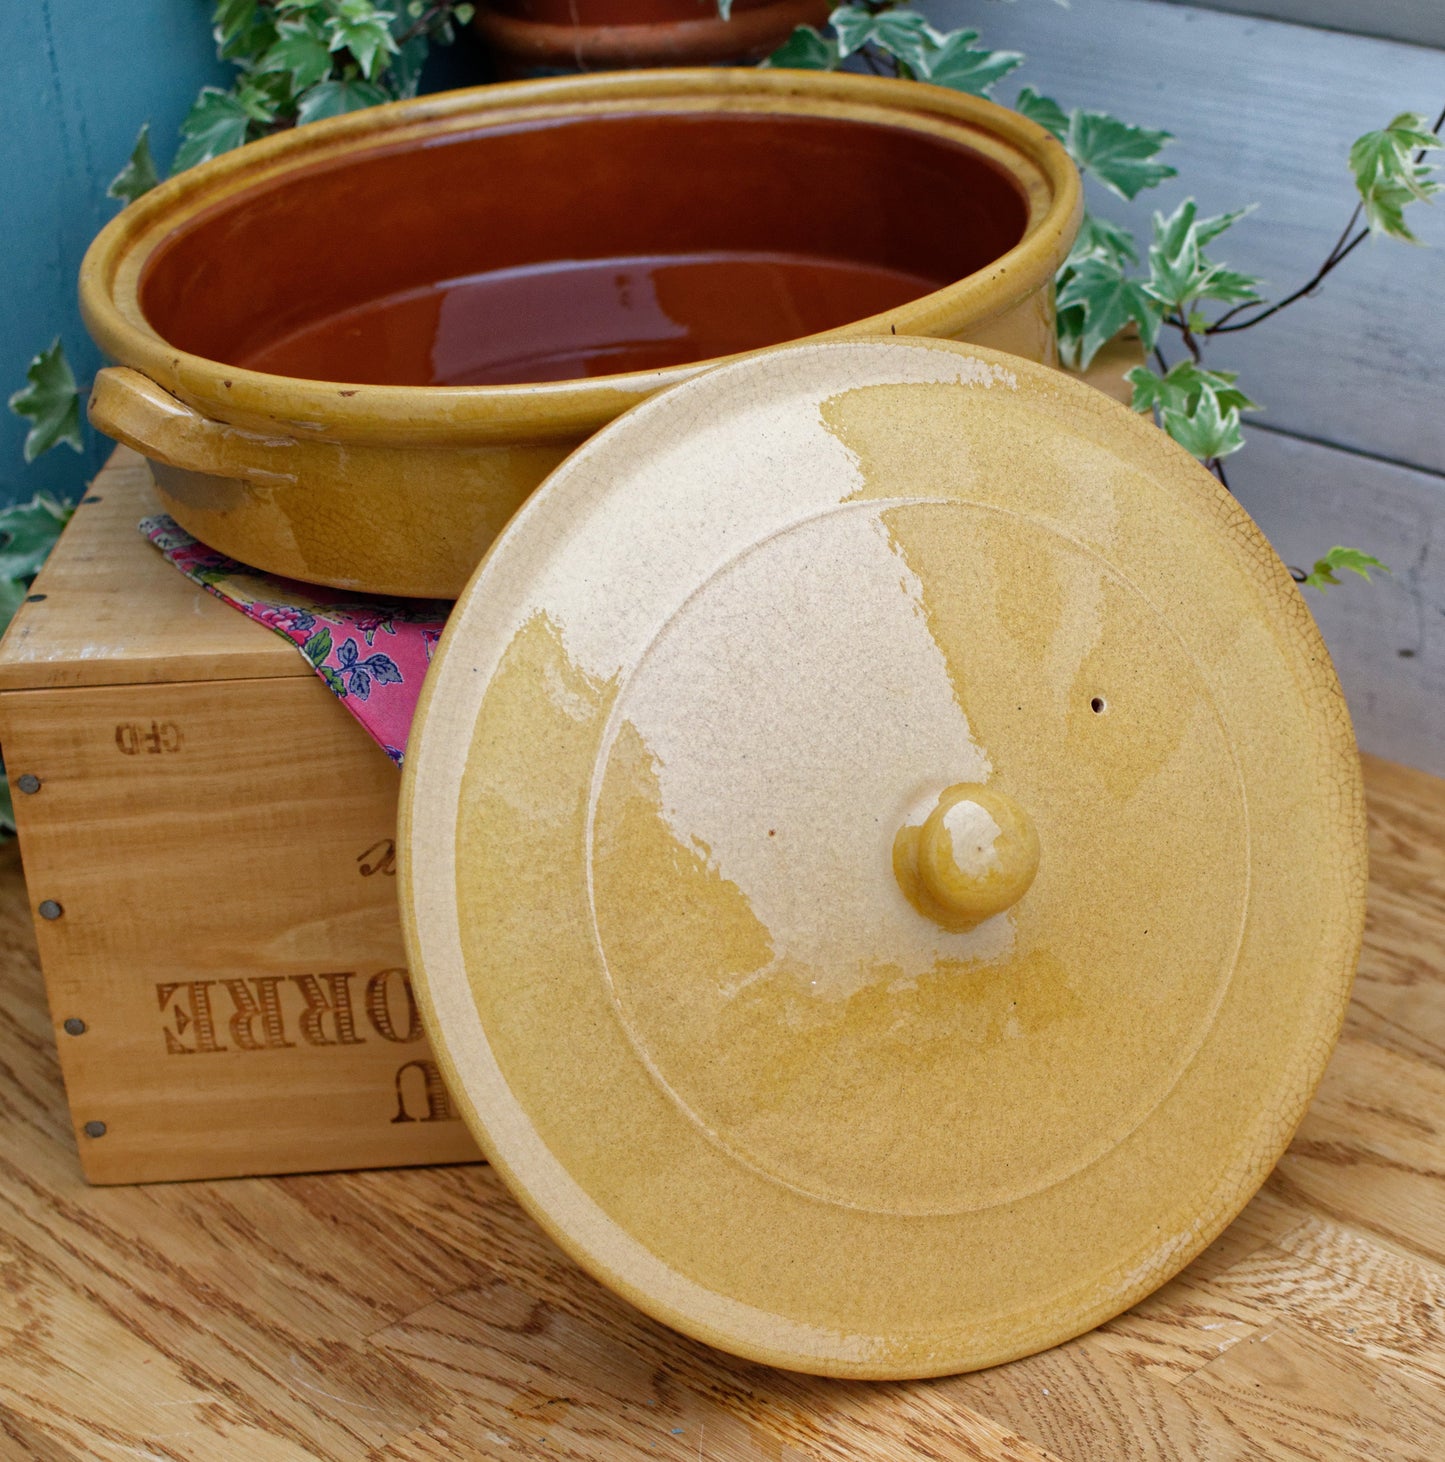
[[296, 61], [1176, 287]]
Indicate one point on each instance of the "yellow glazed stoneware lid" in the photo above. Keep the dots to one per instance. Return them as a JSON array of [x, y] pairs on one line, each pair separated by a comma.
[[883, 857]]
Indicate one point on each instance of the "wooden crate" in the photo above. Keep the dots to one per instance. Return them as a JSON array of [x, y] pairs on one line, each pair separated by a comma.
[[210, 860]]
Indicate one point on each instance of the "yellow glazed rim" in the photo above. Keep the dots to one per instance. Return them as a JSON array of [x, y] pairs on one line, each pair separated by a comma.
[[477, 415], [1325, 759]]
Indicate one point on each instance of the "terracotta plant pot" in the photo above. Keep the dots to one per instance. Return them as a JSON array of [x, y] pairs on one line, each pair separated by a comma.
[[531, 37], [351, 351]]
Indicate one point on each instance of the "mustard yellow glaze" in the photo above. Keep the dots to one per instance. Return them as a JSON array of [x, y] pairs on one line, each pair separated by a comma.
[[400, 489], [649, 818], [974, 857]]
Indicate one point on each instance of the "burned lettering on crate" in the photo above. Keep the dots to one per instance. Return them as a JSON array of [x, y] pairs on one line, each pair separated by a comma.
[[384, 990], [190, 1013], [380, 857], [421, 1094], [134, 738], [253, 1012]]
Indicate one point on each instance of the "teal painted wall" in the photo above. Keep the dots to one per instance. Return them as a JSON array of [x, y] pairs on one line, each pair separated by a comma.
[[77, 79]]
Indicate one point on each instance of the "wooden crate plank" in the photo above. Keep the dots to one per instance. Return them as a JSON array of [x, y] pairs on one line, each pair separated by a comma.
[[115, 612], [1265, 112], [228, 932]]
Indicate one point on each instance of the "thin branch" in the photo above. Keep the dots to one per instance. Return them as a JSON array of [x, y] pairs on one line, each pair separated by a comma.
[[1216, 466], [1327, 268], [1337, 256]]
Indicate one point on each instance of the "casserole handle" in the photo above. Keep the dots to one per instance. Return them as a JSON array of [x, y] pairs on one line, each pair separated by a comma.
[[132, 409]]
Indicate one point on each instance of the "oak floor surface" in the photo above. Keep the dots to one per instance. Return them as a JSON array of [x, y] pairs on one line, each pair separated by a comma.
[[417, 1315]]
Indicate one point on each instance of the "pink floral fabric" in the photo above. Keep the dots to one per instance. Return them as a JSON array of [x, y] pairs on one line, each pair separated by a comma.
[[372, 653]]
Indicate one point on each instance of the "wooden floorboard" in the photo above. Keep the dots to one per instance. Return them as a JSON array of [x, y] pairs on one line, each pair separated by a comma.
[[418, 1315]]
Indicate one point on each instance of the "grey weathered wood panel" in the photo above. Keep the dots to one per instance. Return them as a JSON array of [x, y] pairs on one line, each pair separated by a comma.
[[1420, 21], [1265, 111], [1387, 637]]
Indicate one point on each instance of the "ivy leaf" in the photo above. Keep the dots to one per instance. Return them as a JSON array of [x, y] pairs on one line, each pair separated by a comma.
[[138, 176], [1322, 576], [243, 29], [27, 534], [317, 646], [1207, 431], [301, 52], [51, 401], [359, 27], [1390, 175], [806, 50], [1100, 239], [961, 66], [12, 596], [1108, 301], [1178, 270], [1385, 156], [215, 124], [1120, 156], [1043, 110], [853, 27], [1385, 207], [1181, 389], [724, 10], [909, 37], [404, 74], [332, 98]]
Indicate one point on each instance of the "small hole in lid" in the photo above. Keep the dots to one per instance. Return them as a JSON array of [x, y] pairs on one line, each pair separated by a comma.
[[1098, 705]]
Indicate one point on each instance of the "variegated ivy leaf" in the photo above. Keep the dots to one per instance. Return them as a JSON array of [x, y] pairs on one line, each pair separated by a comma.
[[958, 64], [1043, 110], [243, 29], [332, 98], [215, 124], [1208, 432], [1322, 576], [359, 27], [806, 50], [1391, 173], [1095, 302], [724, 10], [301, 51], [27, 534], [51, 402], [1100, 239], [1182, 388], [1178, 271], [901, 33], [138, 176], [1120, 156]]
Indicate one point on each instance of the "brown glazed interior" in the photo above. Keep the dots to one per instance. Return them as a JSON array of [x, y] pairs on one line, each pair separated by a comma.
[[574, 247]]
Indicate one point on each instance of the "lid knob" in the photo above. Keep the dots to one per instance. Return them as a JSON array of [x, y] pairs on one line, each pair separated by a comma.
[[974, 857]]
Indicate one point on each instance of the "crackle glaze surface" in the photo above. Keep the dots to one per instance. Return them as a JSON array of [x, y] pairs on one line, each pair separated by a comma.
[[369, 409], [678, 720]]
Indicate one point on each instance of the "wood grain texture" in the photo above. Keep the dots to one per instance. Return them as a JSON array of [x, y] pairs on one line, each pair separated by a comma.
[[1265, 112], [1419, 21], [116, 613], [1387, 637], [417, 1315], [221, 852]]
